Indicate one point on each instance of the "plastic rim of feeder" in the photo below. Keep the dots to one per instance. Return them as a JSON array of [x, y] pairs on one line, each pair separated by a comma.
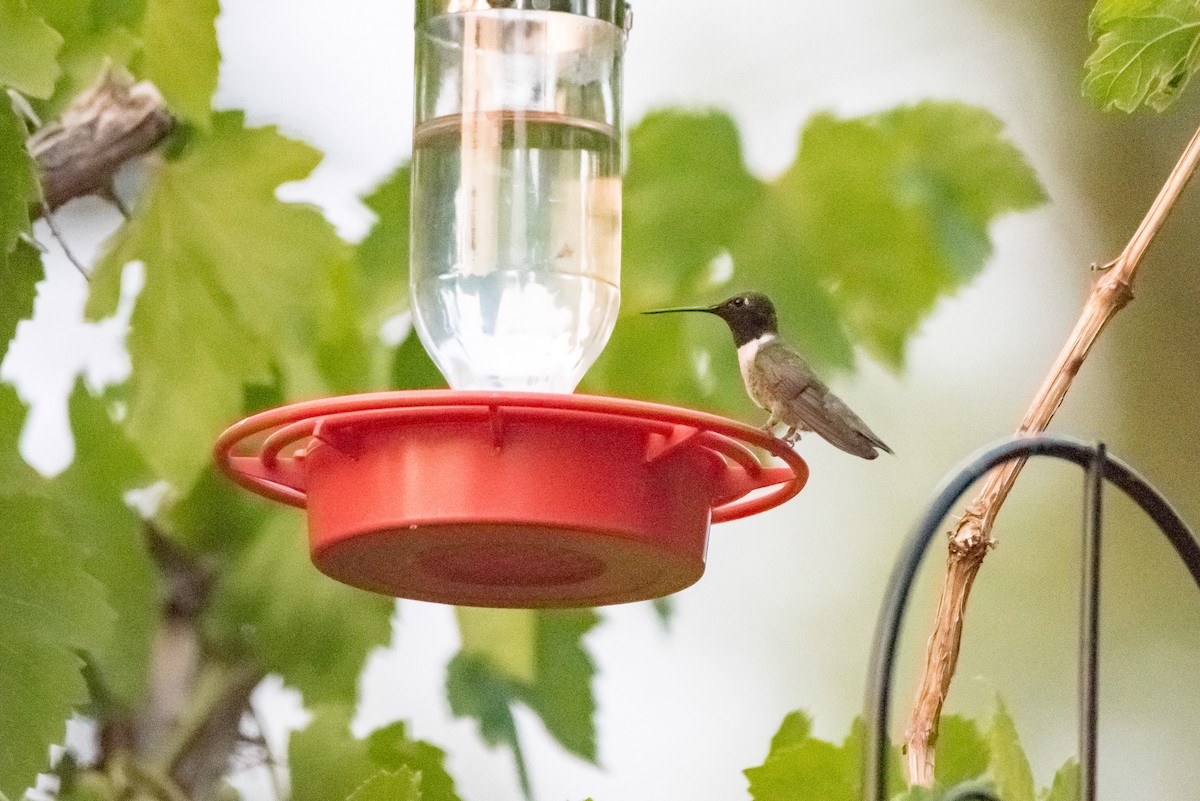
[[508, 499]]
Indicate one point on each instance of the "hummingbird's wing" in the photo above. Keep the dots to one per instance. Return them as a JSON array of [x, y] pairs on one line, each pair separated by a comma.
[[790, 390]]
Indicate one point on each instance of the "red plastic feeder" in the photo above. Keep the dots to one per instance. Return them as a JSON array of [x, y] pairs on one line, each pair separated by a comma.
[[508, 499]]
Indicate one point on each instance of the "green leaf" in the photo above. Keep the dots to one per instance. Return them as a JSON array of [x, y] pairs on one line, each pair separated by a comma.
[[28, 47], [16, 477], [350, 357], [562, 694], [88, 786], [795, 729], [386, 785], [664, 610], [391, 748], [962, 753], [234, 284], [876, 219], [688, 196], [1146, 52], [96, 36], [674, 226], [505, 638], [800, 767], [20, 272], [1066, 784], [90, 498], [383, 255], [326, 761], [217, 517], [16, 176], [476, 689], [1009, 767], [50, 607], [533, 657], [20, 262], [894, 208], [272, 604], [412, 368], [181, 56]]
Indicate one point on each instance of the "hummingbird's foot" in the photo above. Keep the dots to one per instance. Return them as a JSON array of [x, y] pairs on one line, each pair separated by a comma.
[[792, 436]]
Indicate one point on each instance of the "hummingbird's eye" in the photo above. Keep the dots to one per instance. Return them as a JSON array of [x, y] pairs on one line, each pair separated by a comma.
[[739, 302]]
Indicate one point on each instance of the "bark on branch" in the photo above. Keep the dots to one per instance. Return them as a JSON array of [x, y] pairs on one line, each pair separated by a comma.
[[971, 538], [112, 122]]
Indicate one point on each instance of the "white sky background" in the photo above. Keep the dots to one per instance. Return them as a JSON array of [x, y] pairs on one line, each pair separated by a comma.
[[784, 616]]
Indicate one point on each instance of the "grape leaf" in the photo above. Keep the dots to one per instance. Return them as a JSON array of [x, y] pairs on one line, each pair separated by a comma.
[[383, 255], [561, 693], [89, 496], [505, 638], [16, 176], [386, 785], [96, 36], [234, 285], [1009, 767], [329, 763], [20, 272], [905, 221], [412, 368], [217, 517], [87, 786], [533, 657], [326, 761], [1066, 784], [1146, 52], [16, 477], [272, 604], [800, 767], [475, 688], [674, 226], [181, 56], [676, 161], [962, 753], [391, 748], [350, 356], [50, 607], [20, 262], [664, 610], [854, 251], [28, 48]]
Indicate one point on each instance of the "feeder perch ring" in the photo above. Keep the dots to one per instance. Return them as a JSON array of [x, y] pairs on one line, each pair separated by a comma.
[[509, 499]]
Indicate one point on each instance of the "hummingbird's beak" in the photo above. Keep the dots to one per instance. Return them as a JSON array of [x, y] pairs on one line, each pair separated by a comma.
[[708, 309]]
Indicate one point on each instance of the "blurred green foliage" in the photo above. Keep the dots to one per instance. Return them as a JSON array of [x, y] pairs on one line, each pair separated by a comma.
[[800, 767], [249, 300]]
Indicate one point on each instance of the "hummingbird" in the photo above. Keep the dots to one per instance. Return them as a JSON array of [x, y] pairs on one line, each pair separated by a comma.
[[778, 379]]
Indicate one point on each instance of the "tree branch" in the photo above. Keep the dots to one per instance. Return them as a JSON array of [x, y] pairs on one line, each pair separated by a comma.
[[971, 539], [112, 122]]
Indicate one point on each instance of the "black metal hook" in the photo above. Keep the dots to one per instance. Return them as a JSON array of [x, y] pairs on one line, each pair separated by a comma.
[[1100, 467]]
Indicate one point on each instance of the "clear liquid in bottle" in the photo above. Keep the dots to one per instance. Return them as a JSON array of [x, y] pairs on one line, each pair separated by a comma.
[[516, 247]]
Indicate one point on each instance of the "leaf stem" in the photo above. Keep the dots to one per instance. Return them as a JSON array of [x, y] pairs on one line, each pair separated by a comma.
[[971, 538]]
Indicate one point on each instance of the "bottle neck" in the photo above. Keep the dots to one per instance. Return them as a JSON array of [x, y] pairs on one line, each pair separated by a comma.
[[616, 12]]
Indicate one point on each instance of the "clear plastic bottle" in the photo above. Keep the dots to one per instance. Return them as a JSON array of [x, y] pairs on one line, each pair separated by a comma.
[[516, 213]]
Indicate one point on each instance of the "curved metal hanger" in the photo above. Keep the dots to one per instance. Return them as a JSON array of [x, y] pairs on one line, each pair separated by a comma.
[[1100, 467]]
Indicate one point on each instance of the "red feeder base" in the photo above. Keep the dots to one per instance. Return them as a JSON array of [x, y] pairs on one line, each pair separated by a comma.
[[508, 499]]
